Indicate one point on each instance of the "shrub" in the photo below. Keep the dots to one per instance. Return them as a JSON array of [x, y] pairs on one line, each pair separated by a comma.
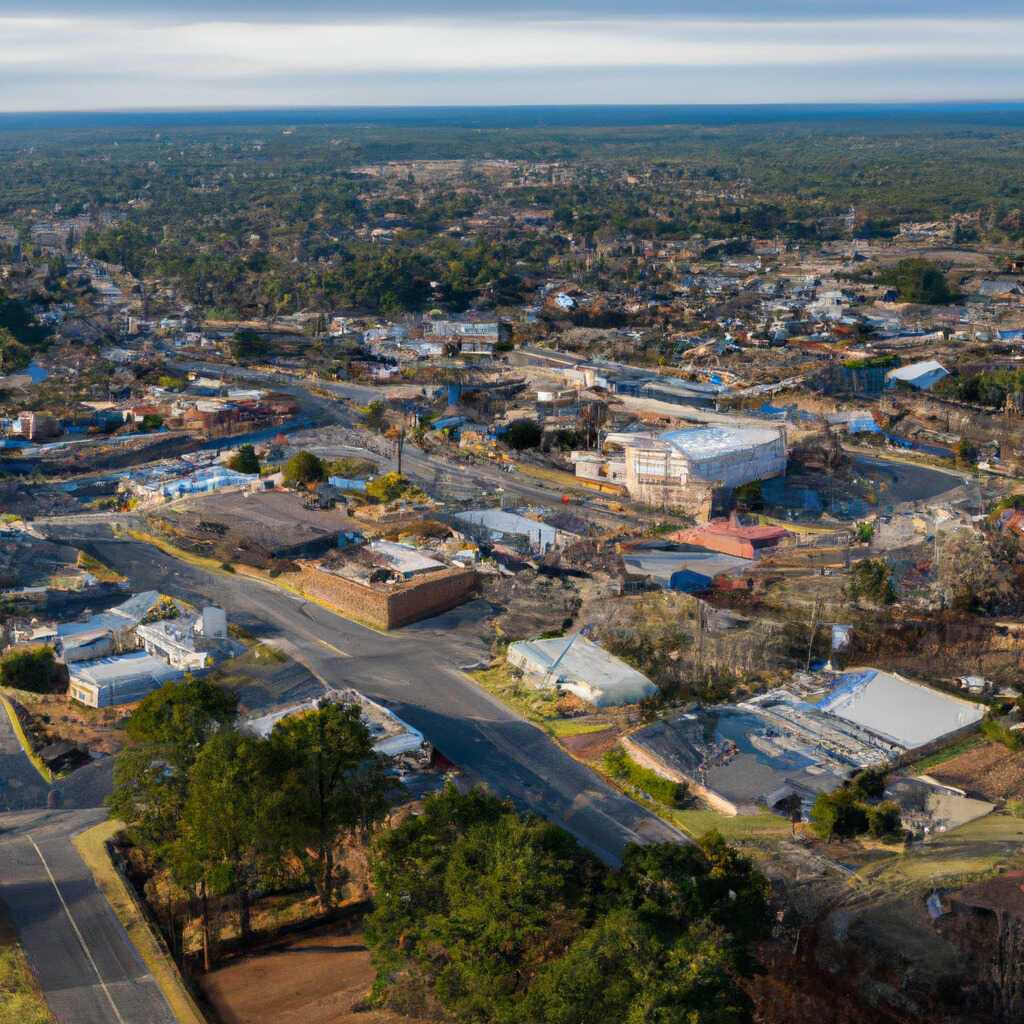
[[1000, 734], [303, 468], [522, 434], [621, 766], [35, 669]]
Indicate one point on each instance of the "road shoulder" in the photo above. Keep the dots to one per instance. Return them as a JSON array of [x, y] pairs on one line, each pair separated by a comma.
[[92, 848]]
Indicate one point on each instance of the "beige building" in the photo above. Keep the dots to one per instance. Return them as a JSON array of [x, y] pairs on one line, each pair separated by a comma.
[[675, 468]]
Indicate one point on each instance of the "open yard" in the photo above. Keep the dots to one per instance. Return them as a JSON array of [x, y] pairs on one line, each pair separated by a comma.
[[989, 770], [316, 979]]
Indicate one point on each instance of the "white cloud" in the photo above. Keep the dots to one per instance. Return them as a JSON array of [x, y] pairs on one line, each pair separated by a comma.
[[170, 62]]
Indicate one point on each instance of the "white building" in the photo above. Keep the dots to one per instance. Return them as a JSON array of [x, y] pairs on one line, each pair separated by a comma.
[[659, 469], [121, 680], [918, 375], [585, 669]]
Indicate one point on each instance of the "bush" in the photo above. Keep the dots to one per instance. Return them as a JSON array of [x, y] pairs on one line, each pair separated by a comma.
[[303, 468], [621, 766], [1000, 734], [865, 531], [871, 578], [35, 669], [522, 434]]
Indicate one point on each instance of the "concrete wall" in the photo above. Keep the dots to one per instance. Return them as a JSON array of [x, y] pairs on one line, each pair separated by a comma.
[[646, 759], [392, 607]]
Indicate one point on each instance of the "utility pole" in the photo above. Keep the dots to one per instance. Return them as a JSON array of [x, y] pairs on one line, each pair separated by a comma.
[[815, 618], [400, 444]]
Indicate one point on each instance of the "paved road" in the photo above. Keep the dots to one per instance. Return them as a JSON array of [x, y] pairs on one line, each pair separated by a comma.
[[78, 950], [415, 672], [21, 786], [913, 483]]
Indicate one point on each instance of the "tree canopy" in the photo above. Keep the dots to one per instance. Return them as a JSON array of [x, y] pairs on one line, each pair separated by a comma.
[[524, 433], [244, 460], [303, 468], [508, 919]]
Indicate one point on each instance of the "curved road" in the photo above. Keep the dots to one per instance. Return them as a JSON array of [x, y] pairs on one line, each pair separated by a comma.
[[415, 672]]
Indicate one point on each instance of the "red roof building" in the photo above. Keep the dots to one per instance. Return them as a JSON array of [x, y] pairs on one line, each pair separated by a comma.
[[730, 538]]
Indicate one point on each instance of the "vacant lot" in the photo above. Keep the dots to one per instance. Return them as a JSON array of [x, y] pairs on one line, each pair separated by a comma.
[[989, 770], [314, 980]]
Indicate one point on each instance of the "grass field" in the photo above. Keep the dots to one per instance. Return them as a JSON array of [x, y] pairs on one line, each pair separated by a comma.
[[21, 1002], [92, 847], [946, 754], [537, 706], [698, 820], [973, 851]]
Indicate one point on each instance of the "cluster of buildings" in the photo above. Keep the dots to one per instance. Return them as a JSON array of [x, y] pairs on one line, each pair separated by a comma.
[[803, 740]]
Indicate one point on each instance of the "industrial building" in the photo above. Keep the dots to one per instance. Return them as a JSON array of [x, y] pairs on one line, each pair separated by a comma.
[[778, 745], [923, 376], [731, 537], [667, 469], [119, 680], [188, 642], [501, 525], [897, 711], [581, 667]]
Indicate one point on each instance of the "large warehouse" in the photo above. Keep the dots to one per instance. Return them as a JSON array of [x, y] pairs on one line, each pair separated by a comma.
[[659, 469]]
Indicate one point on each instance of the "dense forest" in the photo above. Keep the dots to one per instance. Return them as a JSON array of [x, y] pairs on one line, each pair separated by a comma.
[[263, 220]]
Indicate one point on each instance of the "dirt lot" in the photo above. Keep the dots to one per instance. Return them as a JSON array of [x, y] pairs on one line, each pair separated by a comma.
[[990, 771], [314, 980], [591, 746], [56, 717]]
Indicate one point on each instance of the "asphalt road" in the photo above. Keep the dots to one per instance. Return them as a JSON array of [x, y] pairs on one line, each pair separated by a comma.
[[913, 483], [21, 786], [78, 950], [415, 672]]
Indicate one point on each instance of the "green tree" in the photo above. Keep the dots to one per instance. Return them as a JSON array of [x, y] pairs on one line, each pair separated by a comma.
[[244, 460], [247, 346], [374, 415], [167, 730], [302, 469], [34, 669], [13, 355], [918, 280], [332, 784], [839, 815], [524, 433], [884, 819], [182, 713], [871, 578], [230, 831]]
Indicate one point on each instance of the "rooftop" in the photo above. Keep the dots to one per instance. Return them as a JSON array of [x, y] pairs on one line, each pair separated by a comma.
[[906, 713], [587, 670], [708, 442]]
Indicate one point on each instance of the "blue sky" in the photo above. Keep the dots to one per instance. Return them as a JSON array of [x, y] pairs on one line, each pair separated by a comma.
[[56, 55]]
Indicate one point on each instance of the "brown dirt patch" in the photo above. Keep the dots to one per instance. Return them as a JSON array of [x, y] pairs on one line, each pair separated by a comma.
[[589, 746], [314, 980], [54, 716], [990, 770]]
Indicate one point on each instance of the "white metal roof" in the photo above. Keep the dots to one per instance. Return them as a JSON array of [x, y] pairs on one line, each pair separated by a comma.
[[908, 713], [914, 371], [587, 670], [709, 442]]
